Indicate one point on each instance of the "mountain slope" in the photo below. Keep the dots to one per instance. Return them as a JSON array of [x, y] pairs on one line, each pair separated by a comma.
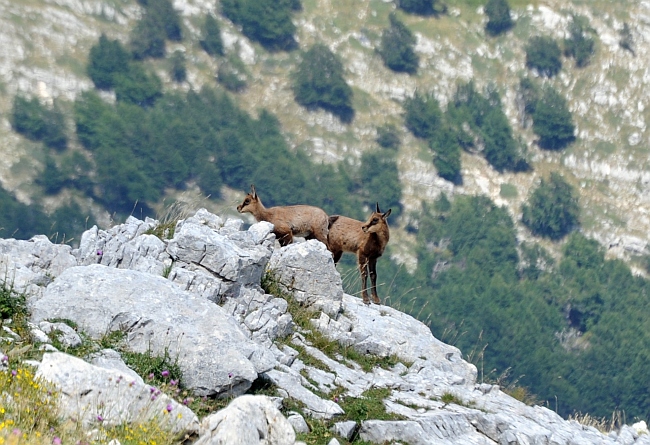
[[607, 162]]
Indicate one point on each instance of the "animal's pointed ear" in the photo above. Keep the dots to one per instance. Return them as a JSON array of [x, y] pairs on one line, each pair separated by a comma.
[[385, 215], [253, 192], [378, 211]]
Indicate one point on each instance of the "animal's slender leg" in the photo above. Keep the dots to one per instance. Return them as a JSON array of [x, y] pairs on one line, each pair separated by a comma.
[[372, 265], [285, 239]]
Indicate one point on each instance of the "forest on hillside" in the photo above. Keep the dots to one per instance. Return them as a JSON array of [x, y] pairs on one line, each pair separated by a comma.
[[573, 330]]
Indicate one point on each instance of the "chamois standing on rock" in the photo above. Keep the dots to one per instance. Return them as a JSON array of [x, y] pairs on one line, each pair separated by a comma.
[[365, 239], [288, 221]]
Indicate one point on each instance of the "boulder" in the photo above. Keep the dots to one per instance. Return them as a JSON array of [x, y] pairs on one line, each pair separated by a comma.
[[216, 357], [247, 420], [101, 395], [307, 271], [29, 266]]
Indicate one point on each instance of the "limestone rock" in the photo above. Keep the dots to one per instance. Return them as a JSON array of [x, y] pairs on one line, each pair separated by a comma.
[[216, 357], [31, 265], [247, 420], [383, 331], [65, 334], [307, 271], [95, 394]]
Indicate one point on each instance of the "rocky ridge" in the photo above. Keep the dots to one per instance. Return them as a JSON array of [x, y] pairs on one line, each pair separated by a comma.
[[197, 295]]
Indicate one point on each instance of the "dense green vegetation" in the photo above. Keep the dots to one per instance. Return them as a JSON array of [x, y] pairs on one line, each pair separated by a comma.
[[319, 83], [573, 329], [159, 22], [37, 122], [552, 120], [472, 121], [388, 137], [487, 121], [422, 115], [397, 47], [379, 181], [265, 21], [22, 221], [626, 39], [200, 136]]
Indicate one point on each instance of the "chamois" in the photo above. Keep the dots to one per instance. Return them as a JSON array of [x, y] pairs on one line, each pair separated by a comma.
[[367, 240], [288, 221]]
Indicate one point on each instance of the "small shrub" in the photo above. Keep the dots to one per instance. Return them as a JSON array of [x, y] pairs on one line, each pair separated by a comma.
[[388, 137], [212, 42], [422, 115], [552, 210], [446, 154], [543, 54], [626, 39], [265, 21], [12, 304], [232, 75], [106, 59], [498, 13], [552, 120], [397, 47], [178, 72], [421, 7], [580, 45]]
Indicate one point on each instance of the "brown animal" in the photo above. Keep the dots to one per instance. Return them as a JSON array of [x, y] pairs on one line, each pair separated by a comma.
[[288, 221], [367, 240]]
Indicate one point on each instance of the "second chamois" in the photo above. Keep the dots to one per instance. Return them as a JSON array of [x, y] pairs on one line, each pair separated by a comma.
[[288, 221], [365, 239]]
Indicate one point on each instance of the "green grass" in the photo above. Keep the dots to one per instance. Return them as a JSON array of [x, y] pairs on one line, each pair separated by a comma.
[[508, 191], [604, 148], [358, 409]]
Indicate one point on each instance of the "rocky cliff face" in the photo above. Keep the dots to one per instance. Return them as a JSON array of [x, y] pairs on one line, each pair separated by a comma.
[[197, 296], [45, 44]]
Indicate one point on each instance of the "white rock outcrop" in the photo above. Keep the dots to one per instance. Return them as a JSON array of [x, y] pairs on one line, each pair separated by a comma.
[[431, 393]]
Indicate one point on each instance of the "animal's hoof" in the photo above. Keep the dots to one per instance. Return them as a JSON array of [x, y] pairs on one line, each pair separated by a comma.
[[376, 300], [366, 301]]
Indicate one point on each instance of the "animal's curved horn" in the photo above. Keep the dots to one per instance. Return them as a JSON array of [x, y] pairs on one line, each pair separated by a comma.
[[253, 192], [378, 211]]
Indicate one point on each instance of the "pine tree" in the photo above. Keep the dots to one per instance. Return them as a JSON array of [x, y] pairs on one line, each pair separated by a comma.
[[397, 47]]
